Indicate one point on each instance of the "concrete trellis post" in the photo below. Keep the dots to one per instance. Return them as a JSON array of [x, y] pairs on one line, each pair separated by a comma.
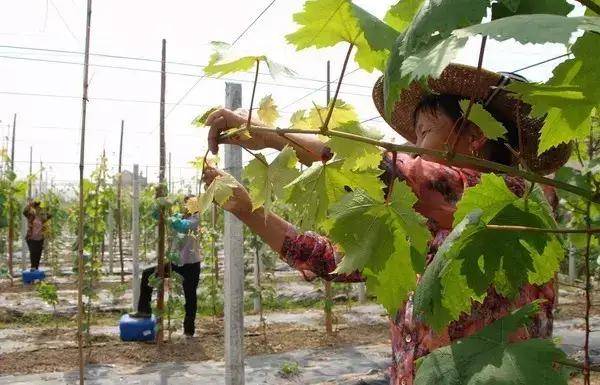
[[135, 236], [234, 262]]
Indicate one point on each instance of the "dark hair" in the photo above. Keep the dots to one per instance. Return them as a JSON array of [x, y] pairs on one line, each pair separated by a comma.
[[495, 150], [436, 102], [187, 197]]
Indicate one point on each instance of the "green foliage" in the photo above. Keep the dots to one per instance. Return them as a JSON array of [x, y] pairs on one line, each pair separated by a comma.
[[325, 23], [220, 190], [357, 155], [223, 61], [491, 128], [568, 98], [48, 293], [322, 185], [465, 265], [200, 120], [488, 357], [385, 240], [507, 8], [289, 369], [267, 181], [267, 111]]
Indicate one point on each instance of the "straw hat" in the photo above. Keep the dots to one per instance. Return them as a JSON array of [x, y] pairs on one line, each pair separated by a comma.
[[464, 82]]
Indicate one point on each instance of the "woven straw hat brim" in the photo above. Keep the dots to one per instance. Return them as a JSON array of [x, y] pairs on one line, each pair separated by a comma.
[[466, 82]]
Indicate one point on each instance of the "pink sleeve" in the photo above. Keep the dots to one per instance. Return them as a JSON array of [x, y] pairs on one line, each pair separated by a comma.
[[437, 187], [314, 256]]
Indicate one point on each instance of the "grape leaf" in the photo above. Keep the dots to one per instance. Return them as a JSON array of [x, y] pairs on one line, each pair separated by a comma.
[[524, 7], [441, 301], [267, 111], [407, 63], [325, 23], [359, 221], [223, 61], [219, 191], [342, 113], [299, 120], [357, 155], [267, 182], [434, 20], [569, 97], [387, 241], [395, 280], [488, 357], [491, 128], [401, 14], [200, 120], [490, 195], [322, 185]]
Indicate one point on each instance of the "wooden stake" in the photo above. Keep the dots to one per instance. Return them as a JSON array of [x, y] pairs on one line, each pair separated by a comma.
[[160, 192], [11, 220], [84, 100], [119, 213], [135, 236]]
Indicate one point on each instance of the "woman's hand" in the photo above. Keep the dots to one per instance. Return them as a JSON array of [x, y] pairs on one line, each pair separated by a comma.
[[224, 119], [239, 203]]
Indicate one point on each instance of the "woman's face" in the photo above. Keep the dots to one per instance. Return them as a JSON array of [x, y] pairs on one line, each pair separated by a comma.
[[435, 131]]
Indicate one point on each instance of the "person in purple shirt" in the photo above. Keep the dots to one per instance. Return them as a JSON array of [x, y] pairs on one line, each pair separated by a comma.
[[187, 265]]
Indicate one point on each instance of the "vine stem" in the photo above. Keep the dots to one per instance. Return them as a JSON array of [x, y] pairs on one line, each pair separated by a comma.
[[392, 177], [457, 159], [255, 156], [337, 90], [463, 121], [589, 230], [253, 93]]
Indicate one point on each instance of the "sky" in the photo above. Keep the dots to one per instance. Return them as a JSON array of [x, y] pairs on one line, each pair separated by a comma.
[[46, 96]]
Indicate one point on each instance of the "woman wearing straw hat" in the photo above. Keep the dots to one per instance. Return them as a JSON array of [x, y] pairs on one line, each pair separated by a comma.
[[428, 120]]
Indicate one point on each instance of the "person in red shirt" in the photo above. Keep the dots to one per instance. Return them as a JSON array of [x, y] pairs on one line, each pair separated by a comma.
[[429, 120], [36, 222]]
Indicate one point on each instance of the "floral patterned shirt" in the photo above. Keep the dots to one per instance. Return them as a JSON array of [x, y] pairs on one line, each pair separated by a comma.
[[438, 189]]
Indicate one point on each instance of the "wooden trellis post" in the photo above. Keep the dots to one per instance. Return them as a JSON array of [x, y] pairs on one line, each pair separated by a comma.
[[160, 193], [327, 284], [84, 100], [11, 219]]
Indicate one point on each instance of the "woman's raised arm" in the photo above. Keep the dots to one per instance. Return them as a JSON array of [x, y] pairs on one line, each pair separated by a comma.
[[307, 146], [312, 254]]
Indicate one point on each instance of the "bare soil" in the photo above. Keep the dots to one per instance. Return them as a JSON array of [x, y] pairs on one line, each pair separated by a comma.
[[207, 345]]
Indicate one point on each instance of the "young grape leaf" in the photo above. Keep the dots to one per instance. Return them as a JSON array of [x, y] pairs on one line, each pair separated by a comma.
[[569, 97], [491, 128], [267, 182], [322, 185], [219, 191], [200, 120], [300, 120], [488, 357], [267, 111], [342, 113], [507, 8], [356, 155], [223, 61], [325, 23]]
